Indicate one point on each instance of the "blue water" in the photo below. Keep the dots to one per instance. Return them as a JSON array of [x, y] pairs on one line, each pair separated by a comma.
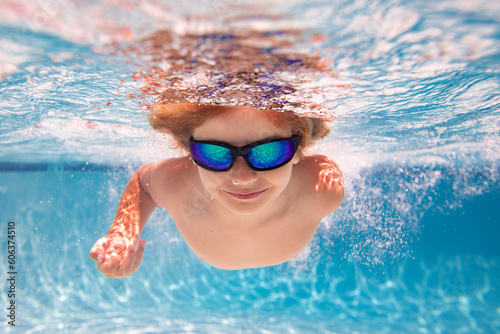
[[413, 249]]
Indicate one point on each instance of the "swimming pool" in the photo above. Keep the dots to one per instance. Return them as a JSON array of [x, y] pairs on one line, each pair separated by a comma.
[[412, 249]]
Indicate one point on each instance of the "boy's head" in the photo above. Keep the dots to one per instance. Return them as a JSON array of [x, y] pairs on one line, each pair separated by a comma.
[[192, 77], [181, 119], [246, 180]]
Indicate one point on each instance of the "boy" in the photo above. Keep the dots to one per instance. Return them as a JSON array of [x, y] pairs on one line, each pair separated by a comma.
[[246, 196], [244, 108]]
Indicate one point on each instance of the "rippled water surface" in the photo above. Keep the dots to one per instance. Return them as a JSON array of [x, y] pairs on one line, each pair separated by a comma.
[[422, 77]]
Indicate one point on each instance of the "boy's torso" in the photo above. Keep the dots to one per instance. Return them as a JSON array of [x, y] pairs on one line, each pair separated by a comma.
[[238, 243]]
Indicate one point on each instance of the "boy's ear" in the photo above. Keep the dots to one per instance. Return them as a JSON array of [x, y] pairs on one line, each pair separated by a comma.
[[296, 159]]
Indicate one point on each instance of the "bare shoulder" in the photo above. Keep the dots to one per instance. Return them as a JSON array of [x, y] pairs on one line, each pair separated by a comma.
[[322, 177], [165, 177]]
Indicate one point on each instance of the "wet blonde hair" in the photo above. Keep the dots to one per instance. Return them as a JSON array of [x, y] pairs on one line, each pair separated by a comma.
[[180, 119]]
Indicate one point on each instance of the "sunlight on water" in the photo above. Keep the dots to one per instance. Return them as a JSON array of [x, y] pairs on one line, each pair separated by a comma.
[[413, 89], [402, 81]]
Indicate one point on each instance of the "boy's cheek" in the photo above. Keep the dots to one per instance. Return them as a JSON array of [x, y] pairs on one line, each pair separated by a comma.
[[212, 180]]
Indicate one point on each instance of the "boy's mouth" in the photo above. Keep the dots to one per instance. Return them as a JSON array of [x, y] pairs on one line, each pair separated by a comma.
[[246, 194]]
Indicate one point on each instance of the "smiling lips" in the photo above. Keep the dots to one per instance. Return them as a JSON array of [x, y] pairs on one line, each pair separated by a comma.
[[246, 195]]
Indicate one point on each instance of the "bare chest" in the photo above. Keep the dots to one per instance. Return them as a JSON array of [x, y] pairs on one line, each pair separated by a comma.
[[243, 244]]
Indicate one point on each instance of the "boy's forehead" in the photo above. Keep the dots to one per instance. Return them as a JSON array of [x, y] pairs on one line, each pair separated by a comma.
[[239, 126]]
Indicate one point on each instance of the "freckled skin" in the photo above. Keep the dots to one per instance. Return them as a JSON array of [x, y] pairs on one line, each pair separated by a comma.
[[220, 222]]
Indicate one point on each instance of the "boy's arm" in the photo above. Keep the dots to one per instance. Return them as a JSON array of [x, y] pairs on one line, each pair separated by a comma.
[[328, 183], [135, 207], [116, 254]]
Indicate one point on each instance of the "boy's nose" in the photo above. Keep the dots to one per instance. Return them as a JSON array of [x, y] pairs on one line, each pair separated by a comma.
[[241, 173]]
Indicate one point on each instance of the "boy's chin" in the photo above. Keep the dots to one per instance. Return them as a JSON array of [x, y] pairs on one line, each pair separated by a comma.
[[244, 209]]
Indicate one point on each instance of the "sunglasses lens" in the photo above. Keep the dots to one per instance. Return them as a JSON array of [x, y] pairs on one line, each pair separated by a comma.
[[211, 156], [272, 154]]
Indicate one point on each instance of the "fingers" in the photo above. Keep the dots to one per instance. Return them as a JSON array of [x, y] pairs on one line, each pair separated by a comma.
[[119, 260], [139, 254], [110, 266], [107, 253], [101, 258], [98, 248], [127, 262], [133, 259]]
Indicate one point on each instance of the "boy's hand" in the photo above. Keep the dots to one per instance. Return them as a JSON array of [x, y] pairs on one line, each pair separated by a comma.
[[117, 257]]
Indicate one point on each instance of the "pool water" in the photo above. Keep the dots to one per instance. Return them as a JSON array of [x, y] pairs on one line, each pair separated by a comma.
[[446, 280], [413, 249]]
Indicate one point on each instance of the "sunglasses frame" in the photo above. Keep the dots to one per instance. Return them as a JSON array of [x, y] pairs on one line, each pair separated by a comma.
[[242, 151]]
